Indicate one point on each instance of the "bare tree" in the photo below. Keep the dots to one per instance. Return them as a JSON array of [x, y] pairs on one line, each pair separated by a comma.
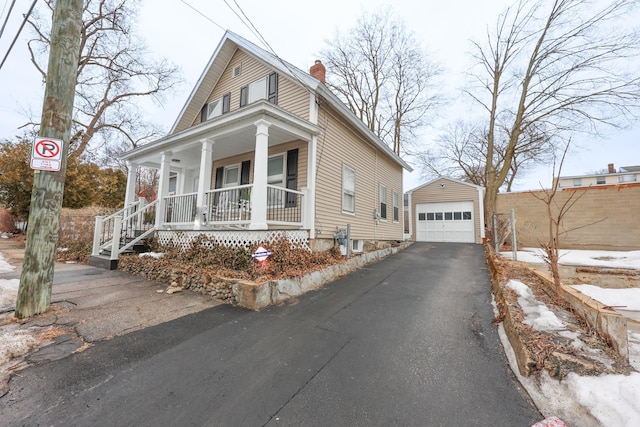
[[381, 74], [556, 212], [561, 66], [461, 150], [458, 153], [115, 71]]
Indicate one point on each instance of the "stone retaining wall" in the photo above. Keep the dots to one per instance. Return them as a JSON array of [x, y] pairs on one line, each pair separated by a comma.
[[608, 323], [256, 296]]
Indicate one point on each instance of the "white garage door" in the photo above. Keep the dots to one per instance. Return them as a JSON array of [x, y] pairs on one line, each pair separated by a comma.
[[445, 222]]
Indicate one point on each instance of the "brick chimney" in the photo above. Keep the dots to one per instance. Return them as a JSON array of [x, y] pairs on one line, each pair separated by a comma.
[[611, 168], [318, 71]]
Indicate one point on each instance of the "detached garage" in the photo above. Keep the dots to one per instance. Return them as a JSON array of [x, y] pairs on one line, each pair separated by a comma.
[[446, 210]]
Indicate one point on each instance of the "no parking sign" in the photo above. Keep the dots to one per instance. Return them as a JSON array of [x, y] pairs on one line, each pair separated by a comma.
[[46, 154]]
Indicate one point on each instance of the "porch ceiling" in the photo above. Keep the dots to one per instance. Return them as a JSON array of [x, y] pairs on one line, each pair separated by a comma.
[[233, 133]]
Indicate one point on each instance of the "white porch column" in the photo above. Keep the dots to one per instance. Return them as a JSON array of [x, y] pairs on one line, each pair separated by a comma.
[[163, 186], [260, 164], [130, 195], [204, 183], [310, 198], [483, 225]]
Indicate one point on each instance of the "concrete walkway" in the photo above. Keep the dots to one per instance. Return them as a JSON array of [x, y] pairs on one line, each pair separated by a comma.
[[88, 304]]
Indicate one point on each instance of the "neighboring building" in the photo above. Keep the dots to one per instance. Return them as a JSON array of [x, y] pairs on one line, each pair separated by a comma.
[[626, 174], [261, 147], [446, 210]]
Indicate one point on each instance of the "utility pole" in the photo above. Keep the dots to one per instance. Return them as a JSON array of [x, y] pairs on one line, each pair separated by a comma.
[[36, 279]]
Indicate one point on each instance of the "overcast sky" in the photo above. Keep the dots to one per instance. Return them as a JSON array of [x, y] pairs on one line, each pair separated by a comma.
[[297, 31]]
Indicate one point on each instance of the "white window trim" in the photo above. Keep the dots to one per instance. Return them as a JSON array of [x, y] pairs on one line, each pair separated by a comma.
[[283, 182], [396, 205], [216, 110], [342, 193], [224, 175], [386, 213], [284, 168], [253, 95]]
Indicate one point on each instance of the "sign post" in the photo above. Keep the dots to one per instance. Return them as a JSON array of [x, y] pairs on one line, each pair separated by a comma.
[[49, 158]]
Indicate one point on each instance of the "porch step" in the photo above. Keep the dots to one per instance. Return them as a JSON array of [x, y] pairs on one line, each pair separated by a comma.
[[103, 261]]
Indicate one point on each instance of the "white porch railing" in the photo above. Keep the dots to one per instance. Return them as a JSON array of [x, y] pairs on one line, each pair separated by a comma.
[[284, 206], [229, 206], [123, 229], [232, 207], [180, 209]]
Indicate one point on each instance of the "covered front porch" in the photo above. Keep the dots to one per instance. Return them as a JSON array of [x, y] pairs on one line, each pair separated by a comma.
[[251, 169]]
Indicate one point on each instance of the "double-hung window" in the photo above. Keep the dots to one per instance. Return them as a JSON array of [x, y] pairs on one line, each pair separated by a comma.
[[264, 88], [276, 177], [216, 108], [396, 207], [348, 189], [383, 202]]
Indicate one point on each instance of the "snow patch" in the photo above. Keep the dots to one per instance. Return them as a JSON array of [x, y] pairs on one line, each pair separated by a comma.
[[609, 259], [155, 255], [5, 267], [15, 343], [8, 292], [538, 314], [613, 399], [626, 298]]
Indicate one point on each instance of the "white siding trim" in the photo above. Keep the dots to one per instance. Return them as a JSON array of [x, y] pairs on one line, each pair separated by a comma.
[[481, 211]]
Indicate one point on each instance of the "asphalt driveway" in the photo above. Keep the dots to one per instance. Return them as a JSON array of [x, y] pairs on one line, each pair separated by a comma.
[[407, 341]]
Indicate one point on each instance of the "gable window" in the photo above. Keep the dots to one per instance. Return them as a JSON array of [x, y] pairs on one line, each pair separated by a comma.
[[226, 103], [216, 108], [396, 207], [272, 91], [348, 189], [244, 95], [257, 90], [383, 202], [264, 88]]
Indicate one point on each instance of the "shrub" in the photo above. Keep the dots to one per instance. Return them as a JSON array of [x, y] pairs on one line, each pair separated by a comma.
[[206, 258], [7, 222]]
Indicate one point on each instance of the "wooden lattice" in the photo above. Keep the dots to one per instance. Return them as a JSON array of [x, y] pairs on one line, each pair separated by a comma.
[[235, 239]]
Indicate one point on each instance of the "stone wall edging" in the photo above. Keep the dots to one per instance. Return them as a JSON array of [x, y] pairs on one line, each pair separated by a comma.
[[609, 324], [256, 296]]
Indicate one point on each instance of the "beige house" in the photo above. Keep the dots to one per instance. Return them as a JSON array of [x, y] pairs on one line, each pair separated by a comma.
[[625, 175], [446, 210], [262, 149]]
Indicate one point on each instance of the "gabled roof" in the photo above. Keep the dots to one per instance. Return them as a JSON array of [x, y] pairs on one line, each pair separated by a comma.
[[219, 61], [457, 181]]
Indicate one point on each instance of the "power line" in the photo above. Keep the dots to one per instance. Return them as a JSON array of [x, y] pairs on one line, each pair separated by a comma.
[[7, 18], [204, 16], [247, 22], [24, 21]]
